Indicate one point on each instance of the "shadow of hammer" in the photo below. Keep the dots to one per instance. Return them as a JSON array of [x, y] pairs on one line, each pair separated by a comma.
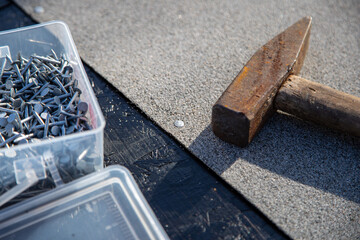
[[267, 83]]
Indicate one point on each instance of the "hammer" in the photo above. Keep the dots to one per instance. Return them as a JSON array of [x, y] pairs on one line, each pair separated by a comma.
[[267, 83]]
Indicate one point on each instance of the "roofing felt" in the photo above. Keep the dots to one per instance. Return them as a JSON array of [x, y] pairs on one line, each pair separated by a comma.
[[173, 59]]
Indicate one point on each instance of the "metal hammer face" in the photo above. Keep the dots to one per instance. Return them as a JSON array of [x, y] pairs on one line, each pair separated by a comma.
[[248, 102]]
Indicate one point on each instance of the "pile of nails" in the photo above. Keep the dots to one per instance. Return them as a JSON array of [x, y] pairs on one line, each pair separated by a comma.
[[39, 99]]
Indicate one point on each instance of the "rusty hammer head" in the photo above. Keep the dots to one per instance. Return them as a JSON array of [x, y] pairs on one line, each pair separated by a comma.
[[247, 103]]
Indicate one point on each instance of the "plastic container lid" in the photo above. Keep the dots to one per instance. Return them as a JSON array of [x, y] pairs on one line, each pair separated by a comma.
[[103, 205]]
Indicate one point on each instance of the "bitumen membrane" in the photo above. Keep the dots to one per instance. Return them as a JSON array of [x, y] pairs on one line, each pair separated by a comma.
[[174, 59]]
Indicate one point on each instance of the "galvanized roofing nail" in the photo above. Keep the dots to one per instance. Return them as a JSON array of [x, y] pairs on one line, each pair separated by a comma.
[[2, 139], [38, 118], [17, 103], [8, 57], [34, 80], [52, 99], [5, 104], [68, 69], [9, 128], [39, 9], [62, 117], [26, 114], [27, 119], [57, 91], [54, 54], [23, 137], [70, 115], [38, 108], [44, 115], [46, 129], [39, 91], [9, 84], [12, 92], [57, 100], [71, 108], [4, 92], [8, 110], [70, 83], [17, 70], [54, 69], [9, 140], [3, 122], [47, 60], [22, 140], [11, 118], [83, 107], [70, 129], [40, 134], [8, 98], [18, 121], [27, 76], [179, 123], [63, 130], [17, 81], [26, 87], [72, 100], [58, 82], [45, 92], [60, 123], [55, 130], [28, 64]]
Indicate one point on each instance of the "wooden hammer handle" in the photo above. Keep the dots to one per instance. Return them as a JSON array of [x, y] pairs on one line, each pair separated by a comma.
[[321, 104]]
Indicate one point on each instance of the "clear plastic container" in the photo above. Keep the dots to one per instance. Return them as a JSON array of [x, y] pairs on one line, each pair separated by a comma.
[[76, 154], [102, 205]]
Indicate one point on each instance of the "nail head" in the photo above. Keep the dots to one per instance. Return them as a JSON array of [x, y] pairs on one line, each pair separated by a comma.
[[11, 118], [44, 92], [44, 115], [38, 108], [179, 123], [55, 130], [39, 9], [57, 91], [83, 107], [9, 84], [17, 103], [57, 100]]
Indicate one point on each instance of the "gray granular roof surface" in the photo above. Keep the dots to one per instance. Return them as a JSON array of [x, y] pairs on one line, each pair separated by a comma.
[[175, 58]]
